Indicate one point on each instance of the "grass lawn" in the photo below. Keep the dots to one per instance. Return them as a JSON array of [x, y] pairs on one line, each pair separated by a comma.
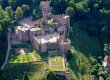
[[18, 63], [22, 58], [83, 47], [57, 63], [35, 70], [15, 57]]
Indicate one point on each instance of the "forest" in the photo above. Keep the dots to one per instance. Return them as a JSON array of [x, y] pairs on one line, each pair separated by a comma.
[[90, 16]]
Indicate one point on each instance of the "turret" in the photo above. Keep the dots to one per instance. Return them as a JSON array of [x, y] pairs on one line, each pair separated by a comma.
[[45, 6]]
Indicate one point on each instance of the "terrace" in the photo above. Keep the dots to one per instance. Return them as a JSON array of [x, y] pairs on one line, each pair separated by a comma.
[[23, 58], [57, 62]]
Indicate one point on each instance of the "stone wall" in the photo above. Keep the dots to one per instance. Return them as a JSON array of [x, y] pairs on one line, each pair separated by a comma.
[[53, 52], [53, 45], [22, 35], [65, 46], [45, 6], [13, 36], [43, 47]]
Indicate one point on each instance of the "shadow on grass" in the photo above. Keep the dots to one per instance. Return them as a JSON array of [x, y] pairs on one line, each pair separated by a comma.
[[43, 55], [83, 44], [73, 66], [86, 44], [17, 70]]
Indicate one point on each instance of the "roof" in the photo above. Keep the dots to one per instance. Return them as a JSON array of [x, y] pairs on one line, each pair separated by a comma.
[[35, 29], [22, 28], [27, 22], [36, 22], [106, 61], [66, 17], [50, 38], [104, 64]]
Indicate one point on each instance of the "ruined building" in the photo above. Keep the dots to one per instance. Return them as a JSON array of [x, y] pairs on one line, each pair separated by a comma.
[[46, 34]]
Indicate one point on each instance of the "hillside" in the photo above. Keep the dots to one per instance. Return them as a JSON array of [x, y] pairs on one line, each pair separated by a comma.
[[90, 31], [84, 46]]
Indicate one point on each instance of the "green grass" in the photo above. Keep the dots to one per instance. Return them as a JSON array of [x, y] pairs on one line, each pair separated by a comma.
[[57, 63], [35, 70], [18, 63], [83, 47], [15, 57], [83, 42], [22, 58]]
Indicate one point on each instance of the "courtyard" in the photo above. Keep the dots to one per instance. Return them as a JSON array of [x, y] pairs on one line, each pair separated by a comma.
[[57, 62]]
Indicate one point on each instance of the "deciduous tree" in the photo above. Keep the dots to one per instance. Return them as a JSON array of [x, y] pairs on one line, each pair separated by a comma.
[[18, 14]]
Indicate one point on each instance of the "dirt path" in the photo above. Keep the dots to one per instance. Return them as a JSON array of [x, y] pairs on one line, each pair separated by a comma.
[[8, 50], [34, 58]]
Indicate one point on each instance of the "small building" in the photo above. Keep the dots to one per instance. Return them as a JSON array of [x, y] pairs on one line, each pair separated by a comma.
[[106, 63]]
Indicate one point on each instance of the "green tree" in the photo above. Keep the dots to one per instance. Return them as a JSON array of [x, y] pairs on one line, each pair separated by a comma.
[[5, 20], [93, 60], [68, 55], [25, 9], [51, 76], [18, 14], [70, 11], [35, 14], [13, 3], [104, 13], [4, 3], [101, 78], [36, 1], [9, 11], [59, 6], [26, 77], [82, 68], [80, 8], [72, 3]]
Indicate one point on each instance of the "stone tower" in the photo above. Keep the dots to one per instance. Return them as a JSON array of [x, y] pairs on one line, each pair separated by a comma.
[[45, 7]]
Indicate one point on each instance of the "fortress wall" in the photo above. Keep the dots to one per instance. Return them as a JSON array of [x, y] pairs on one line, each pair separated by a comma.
[[65, 46], [22, 35], [43, 47], [45, 6], [25, 35], [33, 41], [13, 36], [19, 35]]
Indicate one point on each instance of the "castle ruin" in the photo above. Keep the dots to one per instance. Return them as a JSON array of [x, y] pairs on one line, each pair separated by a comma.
[[46, 34]]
